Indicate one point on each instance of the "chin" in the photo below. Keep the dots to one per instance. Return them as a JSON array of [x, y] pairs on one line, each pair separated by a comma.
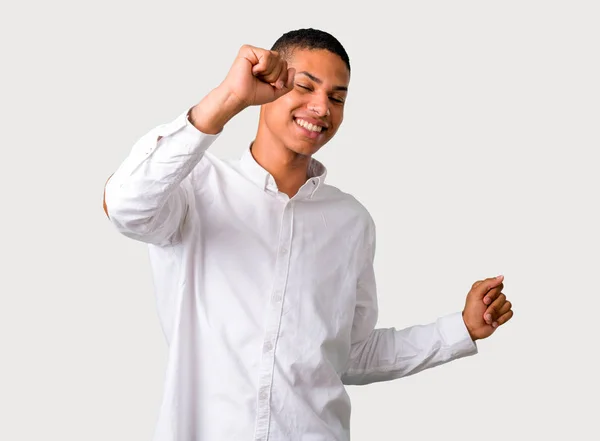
[[304, 146], [305, 149]]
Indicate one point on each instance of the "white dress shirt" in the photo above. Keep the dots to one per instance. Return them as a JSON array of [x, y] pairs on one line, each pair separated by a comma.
[[268, 303]]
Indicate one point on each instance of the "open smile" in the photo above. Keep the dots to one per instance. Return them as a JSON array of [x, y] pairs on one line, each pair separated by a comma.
[[309, 129]]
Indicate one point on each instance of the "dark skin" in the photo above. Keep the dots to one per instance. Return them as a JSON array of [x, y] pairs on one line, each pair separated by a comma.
[[486, 308], [310, 87], [318, 96]]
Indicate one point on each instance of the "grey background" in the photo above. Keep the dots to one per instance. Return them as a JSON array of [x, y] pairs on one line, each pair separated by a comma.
[[471, 135]]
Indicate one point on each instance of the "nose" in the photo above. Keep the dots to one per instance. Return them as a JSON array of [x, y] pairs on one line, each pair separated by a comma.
[[319, 105]]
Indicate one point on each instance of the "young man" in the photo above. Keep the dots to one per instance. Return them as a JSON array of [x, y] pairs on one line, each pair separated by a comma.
[[263, 272]]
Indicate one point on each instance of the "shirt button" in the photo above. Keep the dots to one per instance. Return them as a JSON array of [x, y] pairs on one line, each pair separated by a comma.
[[268, 346], [284, 250], [263, 395]]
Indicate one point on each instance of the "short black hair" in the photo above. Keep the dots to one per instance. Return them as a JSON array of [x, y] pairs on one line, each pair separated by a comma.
[[310, 39]]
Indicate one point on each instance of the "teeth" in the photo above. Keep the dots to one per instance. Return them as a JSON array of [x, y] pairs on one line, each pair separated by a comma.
[[308, 126]]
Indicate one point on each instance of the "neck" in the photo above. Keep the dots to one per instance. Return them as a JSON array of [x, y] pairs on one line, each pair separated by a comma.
[[288, 168]]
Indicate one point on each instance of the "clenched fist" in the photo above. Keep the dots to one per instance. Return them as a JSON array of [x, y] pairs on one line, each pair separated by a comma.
[[486, 308], [257, 76]]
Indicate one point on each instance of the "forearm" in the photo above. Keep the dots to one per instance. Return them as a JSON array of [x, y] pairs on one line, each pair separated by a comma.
[[388, 354], [215, 110]]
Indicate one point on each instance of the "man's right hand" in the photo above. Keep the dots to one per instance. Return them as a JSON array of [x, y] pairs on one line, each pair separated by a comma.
[[257, 76]]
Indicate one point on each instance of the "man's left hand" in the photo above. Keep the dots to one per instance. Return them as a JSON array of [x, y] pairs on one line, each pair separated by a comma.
[[486, 308]]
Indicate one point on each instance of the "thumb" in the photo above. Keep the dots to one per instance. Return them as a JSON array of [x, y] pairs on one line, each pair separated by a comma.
[[289, 84], [291, 76], [479, 291]]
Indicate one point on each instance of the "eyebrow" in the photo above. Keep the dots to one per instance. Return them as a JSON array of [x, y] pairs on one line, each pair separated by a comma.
[[319, 81]]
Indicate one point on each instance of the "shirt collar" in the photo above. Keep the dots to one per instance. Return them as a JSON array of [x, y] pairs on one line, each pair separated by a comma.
[[317, 173]]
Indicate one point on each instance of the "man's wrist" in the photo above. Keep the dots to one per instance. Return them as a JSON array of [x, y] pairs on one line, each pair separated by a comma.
[[468, 328], [214, 111]]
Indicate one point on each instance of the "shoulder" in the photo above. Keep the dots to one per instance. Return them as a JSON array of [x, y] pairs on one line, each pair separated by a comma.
[[211, 163], [347, 202]]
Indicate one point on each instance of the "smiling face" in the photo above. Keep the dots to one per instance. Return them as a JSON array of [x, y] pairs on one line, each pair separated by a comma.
[[306, 118]]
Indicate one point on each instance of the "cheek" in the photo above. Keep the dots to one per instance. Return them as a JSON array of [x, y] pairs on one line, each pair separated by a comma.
[[283, 107], [336, 121], [338, 117], [276, 114]]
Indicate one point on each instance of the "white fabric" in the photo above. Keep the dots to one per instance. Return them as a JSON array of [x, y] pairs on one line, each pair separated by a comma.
[[268, 304]]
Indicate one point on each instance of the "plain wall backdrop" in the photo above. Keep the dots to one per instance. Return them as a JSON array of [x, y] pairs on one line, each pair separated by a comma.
[[471, 135]]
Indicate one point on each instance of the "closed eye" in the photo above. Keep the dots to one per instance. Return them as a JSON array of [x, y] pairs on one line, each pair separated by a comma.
[[336, 100]]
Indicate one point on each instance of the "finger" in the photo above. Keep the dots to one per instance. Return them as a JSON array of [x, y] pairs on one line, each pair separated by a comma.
[[476, 284], [492, 294], [490, 279], [504, 308], [274, 71], [252, 54], [260, 59], [481, 289], [492, 312], [271, 75], [269, 67], [289, 84], [281, 80], [503, 318], [290, 78]]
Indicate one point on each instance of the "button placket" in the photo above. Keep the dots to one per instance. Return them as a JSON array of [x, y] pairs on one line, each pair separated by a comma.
[[274, 313]]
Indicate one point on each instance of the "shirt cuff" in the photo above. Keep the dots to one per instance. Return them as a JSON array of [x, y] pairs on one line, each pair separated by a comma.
[[454, 332], [186, 134]]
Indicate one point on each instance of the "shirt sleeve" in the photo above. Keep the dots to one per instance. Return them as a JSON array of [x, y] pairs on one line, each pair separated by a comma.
[[386, 354], [145, 198]]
